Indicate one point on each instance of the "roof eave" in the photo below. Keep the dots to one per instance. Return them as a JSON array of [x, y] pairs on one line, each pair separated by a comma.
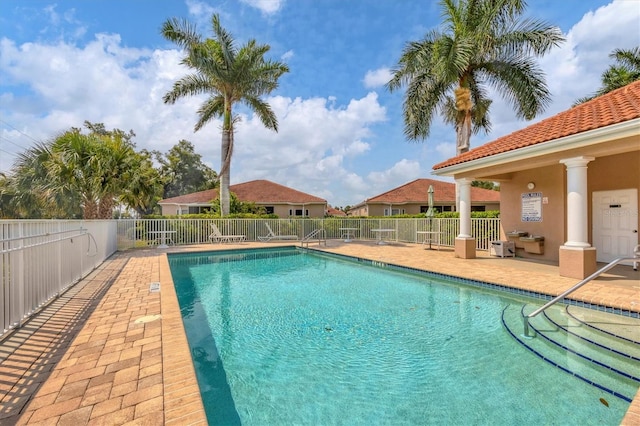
[[580, 140]]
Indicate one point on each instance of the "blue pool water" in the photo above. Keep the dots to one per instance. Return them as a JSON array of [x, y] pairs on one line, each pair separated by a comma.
[[287, 337]]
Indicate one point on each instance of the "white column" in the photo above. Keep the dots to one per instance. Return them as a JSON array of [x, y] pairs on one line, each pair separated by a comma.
[[577, 201], [464, 189]]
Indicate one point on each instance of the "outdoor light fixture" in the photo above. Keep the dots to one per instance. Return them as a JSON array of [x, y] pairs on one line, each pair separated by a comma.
[[531, 185]]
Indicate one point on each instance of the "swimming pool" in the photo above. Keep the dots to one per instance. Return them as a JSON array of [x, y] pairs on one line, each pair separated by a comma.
[[288, 337]]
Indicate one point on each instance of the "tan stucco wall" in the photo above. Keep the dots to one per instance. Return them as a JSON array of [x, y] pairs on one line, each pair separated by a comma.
[[614, 172], [550, 181], [621, 171], [169, 210], [359, 211], [315, 210], [413, 209]]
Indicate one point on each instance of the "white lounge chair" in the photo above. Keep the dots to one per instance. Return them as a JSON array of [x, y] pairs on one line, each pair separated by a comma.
[[217, 237], [273, 236]]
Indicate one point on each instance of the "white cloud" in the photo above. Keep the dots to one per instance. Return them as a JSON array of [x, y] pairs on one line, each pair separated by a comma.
[[377, 78], [400, 173], [267, 7], [310, 148], [122, 87], [200, 8], [287, 55], [574, 70]]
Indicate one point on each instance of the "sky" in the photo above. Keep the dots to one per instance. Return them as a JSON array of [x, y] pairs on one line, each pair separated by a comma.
[[340, 130]]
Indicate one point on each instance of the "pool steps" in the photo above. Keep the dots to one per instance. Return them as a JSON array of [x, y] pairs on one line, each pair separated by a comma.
[[585, 344]]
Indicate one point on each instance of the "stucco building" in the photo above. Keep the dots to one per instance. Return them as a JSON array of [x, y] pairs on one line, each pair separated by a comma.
[[275, 198], [571, 180], [412, 199]]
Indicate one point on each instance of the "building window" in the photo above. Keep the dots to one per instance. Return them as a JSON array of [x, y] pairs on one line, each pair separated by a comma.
[[298, 212], [394, 212], [269, 209], [436, 209], [478, 208]]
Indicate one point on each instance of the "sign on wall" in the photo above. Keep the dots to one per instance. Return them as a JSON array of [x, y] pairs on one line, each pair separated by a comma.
[[532, 207]]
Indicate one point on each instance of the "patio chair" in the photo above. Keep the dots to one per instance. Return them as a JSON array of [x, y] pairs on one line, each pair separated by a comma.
[[273, 236], [217, 237]]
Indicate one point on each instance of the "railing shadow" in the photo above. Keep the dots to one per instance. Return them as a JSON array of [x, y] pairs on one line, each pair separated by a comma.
[[30, 353]]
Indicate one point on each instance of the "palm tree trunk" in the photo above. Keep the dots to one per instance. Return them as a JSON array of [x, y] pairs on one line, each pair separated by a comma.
[[463, 134], [225, 166], [464, 106], [105, 208], [89, 209]]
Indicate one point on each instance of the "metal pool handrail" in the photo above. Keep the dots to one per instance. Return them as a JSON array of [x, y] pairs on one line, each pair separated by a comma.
[[318, 234], [565, 293]]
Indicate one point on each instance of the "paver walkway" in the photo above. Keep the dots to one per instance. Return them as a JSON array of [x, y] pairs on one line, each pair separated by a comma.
[[113, 351]]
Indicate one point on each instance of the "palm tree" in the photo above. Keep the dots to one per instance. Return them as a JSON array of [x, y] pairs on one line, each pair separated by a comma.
[[77, 165], [33, 194], [228, 75], [483, 44], [80, 175], [144, 184], [625, 71]]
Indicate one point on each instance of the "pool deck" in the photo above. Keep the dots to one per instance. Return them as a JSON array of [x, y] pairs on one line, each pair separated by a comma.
[[113, 351]]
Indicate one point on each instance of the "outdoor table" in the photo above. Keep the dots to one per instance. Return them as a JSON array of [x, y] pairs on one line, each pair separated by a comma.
[[346, 233], [381, 232], [431, 236], [162, 235]]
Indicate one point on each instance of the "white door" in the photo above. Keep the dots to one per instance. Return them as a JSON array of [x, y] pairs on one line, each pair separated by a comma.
[[615, 223]]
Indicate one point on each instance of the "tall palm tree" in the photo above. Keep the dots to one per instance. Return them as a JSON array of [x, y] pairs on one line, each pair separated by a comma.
[[228, 75], [483, 43], [626, 70]]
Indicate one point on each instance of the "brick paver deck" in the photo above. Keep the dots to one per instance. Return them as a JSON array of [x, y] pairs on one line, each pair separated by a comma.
[[112, 351]]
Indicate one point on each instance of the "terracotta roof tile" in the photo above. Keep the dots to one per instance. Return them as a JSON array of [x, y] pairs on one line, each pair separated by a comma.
[[332, 211], [612, 108], [257, 191], [416, 192], [201, 197], [264, 191]]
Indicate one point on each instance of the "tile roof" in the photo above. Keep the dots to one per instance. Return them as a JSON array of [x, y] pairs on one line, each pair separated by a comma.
[[256, 191], [416, 192], [264, 191], [332, 211], [612, 108]]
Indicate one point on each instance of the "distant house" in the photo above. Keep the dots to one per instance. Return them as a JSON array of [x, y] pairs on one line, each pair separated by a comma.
[[275, 198], [332, 211], [570, 182], [412, 198]]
